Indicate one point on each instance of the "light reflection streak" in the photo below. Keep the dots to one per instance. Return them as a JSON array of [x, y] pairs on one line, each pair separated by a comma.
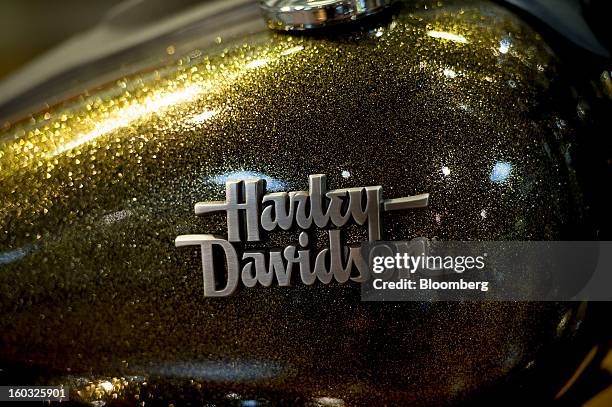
[[107, 386], [204, 116], [447, 36], [500, 172], [155, 103], [159, 101], [449, 73], [116, 216], [292, 50], [504, 45], [329, 401], [257, 63], [272, 184], [11, 256], [219, 371]]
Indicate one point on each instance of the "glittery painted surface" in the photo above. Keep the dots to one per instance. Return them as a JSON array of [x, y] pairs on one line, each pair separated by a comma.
[[446, 99]]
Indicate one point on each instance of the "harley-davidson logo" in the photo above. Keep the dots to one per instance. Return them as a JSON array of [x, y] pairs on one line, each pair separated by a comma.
[[249, 211]]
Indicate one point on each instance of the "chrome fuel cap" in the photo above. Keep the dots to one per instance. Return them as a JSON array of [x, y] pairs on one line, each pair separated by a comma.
[[290, 15]]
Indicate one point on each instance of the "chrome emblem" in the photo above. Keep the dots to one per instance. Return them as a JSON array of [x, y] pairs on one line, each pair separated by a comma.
[[250, 211]]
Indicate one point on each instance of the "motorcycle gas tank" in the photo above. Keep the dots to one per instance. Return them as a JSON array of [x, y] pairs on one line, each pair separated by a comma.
[[453, 100]]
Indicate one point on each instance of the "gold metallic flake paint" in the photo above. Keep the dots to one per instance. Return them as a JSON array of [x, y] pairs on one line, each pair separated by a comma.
[[452, 99]]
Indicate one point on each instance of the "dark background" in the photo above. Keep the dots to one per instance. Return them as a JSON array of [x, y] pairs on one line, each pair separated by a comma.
[[30, 27]]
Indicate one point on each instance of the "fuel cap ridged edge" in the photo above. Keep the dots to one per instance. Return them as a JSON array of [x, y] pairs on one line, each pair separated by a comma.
[[300, 15]]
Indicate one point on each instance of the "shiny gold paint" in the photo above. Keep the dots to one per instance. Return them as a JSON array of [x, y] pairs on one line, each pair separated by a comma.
[[452, 99]]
